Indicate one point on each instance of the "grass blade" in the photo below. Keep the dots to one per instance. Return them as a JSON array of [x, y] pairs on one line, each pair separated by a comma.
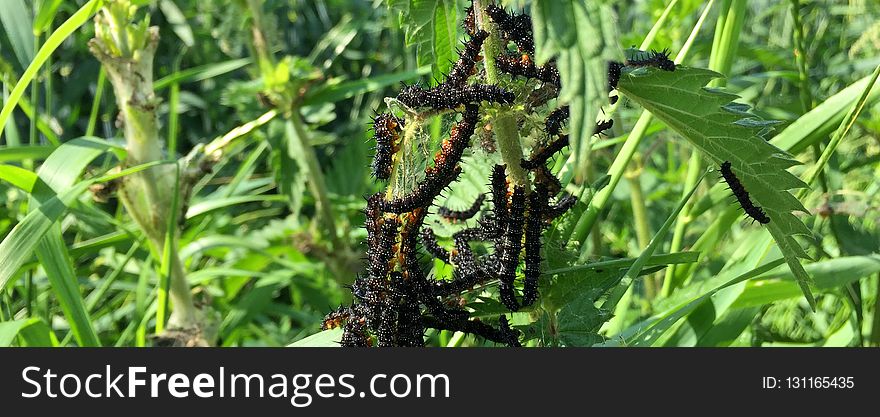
[[634, 270], [16, 18], [53, 42], [32, 332]]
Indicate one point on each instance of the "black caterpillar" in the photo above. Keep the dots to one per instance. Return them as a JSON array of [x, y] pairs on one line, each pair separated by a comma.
[[614, 69], [386, 132], [458, 215], [555, 120], [467, 59], [543, 154], [658, 59], [514, 28], [445, 97], [742, 195], [522, 66]]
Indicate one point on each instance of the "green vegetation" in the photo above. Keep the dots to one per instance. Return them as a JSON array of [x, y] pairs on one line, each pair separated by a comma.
[[193, 173]]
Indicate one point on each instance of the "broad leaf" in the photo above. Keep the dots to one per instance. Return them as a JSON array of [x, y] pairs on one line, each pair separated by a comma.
[[577, 34], [725, 131], [429, 26]]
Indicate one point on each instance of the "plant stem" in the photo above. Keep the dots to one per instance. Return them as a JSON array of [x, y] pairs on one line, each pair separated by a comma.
[[504, 124], [875, 324], [695, 166], [800, 57], [640, 215], [96, 102], [126, 51]]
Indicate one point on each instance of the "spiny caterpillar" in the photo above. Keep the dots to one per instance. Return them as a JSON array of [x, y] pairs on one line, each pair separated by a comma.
[[614, 69], [446, 97], [514, 28], [510, 248], [658, 59], [458, 215], [429, 242], [534, 229], [742, 196], [386, 132], [555, 120], [467, 59], [522, 66], [336, 318]]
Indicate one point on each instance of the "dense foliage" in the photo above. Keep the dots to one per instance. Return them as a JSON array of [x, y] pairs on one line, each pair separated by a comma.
[[197, 172]]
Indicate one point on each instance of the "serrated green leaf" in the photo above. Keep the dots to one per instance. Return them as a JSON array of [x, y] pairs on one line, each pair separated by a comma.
[[431, 27], [577, 33], [707, 119]]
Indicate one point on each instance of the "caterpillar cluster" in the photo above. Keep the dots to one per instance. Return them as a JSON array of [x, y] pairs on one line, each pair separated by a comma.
[[396, 300], [742, 196]]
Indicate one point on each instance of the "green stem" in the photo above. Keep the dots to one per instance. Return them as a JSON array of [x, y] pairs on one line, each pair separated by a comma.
[[35, 100], [504, 124], [800, 57], [126, 52], [96, 102], [640, 215], [588, 219], [173, 104], [695, 166], [875, 325], [617, 169]]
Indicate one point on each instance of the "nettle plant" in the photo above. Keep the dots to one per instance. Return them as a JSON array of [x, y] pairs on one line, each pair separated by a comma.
[[497, 210]]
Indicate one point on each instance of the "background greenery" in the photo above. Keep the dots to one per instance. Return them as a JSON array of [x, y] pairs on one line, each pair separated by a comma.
[[272, 232]]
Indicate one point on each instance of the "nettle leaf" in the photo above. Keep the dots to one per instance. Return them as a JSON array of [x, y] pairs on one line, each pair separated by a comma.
[[431, 27], [577, 34], [726, 131]]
